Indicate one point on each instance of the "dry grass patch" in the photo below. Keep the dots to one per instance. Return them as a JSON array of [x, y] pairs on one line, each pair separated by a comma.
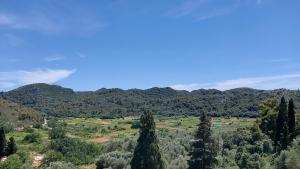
[[101, 140]]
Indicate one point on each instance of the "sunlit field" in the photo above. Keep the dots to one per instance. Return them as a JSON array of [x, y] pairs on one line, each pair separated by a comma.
[[104, 131]]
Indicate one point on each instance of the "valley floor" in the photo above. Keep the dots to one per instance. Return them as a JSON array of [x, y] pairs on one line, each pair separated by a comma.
[[112, 132]]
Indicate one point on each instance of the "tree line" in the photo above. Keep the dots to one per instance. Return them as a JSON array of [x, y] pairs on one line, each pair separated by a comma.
[[115, 103]]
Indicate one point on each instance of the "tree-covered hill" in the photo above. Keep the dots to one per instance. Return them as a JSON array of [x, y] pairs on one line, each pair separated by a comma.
[[59, 101], [15, 115]]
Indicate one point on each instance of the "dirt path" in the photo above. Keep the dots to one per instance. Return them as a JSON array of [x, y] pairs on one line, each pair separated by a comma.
[[37, 159]]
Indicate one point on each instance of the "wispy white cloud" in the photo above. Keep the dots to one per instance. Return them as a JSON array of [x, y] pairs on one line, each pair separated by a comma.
[[13, 79], [205, 9], [289, 81], [49, 17], [186, 8], [38, 23], [201, 9], [280, 60], [80, 54], [213, 13], [54, 58]]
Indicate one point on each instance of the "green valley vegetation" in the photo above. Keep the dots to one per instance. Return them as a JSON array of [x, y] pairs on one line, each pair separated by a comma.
[[115, 103], [156, 139], [13, 115]]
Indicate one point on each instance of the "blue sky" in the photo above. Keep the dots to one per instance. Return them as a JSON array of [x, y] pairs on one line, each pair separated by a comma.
[[184, 44]]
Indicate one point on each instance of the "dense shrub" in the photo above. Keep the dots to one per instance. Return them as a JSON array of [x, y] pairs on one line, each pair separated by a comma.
[[37, 125], [12, 162], [32, 137], [75, 151], [61, 165], [28, 130], [16, 161], [57, 132], [289, 159], [178, 163], [52, 156], [115, 160]]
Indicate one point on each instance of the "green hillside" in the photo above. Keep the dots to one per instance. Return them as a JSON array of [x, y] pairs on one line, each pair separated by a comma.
[[15, 115], [59, 101]]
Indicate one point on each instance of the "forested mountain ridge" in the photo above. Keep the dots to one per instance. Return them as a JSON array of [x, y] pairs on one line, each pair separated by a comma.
[[58, 101]]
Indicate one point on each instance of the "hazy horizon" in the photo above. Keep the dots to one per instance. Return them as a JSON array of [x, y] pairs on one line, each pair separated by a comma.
[[160, 87]]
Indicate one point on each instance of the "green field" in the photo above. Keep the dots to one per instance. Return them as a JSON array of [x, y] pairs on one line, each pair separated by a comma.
[[91, 128], [103, 131]]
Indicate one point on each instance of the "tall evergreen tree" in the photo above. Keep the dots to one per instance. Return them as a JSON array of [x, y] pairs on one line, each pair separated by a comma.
[[146, 154], [281, 121], [2, 142], [11, 147], [291, 120], [203, 151], [284, 140]]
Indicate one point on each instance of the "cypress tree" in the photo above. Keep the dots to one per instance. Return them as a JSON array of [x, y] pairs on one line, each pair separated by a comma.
[[282, 118], [284, 140], [203, 152], [291, 120], [11, 147], [2, 142], [146, 154]]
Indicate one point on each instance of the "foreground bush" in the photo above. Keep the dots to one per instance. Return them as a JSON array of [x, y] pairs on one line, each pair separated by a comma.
[[16, 161], [61, 165], [115, 160], [52, 156], [32, 138], [75, 151], [289, 159]]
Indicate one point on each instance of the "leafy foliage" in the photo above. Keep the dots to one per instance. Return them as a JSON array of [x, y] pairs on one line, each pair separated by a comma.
[[14, 115], [267, 121], [110, 103], [57, 132], [52, 156], [75, 151], [32, 137], [115, 160], [290, 158], [16, 161], [61, 165], [11, 147]]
